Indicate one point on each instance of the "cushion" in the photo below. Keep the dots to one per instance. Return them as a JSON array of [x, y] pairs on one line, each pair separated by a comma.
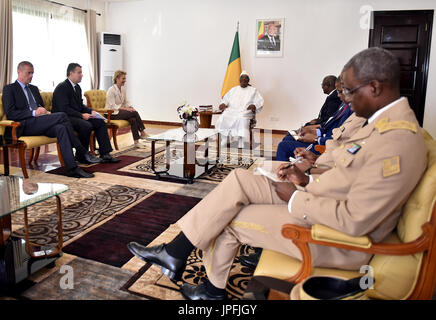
[[96, 99]]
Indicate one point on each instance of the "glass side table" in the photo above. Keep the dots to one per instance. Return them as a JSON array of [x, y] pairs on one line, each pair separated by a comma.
[[18, 256], [188, 167]]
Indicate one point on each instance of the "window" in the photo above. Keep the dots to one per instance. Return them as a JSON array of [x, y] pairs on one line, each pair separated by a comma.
[[50, 36]]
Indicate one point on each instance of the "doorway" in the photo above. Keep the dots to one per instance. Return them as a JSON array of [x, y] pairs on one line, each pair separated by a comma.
[[407, 35]]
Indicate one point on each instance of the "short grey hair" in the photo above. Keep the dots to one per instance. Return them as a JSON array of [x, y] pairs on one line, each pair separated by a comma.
[[24, 63], [375, 64]]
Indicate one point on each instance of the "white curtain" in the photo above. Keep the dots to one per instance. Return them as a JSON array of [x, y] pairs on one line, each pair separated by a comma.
[[5, 42], [91, 35], [50, 36]]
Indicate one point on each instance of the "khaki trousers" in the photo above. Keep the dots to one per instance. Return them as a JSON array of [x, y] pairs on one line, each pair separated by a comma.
[[224, 220]]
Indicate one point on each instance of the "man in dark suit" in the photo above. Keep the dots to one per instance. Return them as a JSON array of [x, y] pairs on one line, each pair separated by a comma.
[[332, 102], [315, 134], [23, 103], [271, 40], [67, 97]]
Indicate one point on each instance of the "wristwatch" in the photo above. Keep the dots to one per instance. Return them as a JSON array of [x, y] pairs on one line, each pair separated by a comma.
[[307, 172]]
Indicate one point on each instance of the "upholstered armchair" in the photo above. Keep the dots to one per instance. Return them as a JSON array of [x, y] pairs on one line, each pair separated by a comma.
[[404, 265], [31, 143], [96, 99]]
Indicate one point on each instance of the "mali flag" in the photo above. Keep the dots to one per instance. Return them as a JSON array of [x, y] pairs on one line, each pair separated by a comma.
[[233, 68]]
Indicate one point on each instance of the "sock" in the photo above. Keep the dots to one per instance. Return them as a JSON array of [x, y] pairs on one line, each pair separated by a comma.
[[180, 247], [210, 288]]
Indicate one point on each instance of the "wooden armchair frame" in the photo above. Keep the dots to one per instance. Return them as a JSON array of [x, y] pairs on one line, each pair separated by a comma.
[[22, 148], [112, 127], [426, 243]]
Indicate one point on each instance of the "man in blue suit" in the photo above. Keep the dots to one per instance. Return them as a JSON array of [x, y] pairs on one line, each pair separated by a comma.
[[315, 134]]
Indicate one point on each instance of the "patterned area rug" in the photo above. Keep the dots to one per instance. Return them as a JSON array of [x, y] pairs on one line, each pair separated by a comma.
[[215, 174], [149, 282], [84, 205], [141, 223], [141, 167]]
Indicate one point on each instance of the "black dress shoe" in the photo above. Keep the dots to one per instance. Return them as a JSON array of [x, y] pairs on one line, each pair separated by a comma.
[[78, 172], [199, 292], [88, 158], [171, 267], [108, 158], [91, 158], [250, 260]]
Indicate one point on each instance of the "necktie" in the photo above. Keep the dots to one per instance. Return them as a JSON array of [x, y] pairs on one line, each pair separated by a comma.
[[32, 102], [365, 123]]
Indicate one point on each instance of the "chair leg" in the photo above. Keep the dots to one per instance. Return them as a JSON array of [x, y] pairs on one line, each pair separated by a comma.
[[32, 152], [92, 143], [114, 134], [38, 150], [22, 156], [61, 159], [251, 139]]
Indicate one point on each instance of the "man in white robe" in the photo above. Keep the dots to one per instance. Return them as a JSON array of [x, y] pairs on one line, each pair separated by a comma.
[[240, 104]]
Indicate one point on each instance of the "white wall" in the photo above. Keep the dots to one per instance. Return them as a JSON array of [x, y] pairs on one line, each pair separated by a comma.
[[177, 50]]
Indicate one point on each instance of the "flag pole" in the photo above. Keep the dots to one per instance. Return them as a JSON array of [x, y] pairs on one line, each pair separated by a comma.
[[237, 27]]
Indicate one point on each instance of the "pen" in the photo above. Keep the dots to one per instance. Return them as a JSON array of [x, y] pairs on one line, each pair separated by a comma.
[[298, 158]]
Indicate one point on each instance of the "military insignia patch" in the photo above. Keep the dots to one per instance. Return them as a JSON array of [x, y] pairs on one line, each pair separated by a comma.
[[391, 166], [353, 148]]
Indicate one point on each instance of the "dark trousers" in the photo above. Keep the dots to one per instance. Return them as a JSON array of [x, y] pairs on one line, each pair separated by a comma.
[[287, 147], [134, 120], [84, 128], [56, 125]]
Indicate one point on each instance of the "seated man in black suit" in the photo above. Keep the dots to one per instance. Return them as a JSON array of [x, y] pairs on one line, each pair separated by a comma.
[[67, 97], [331, 104], [23, 103]]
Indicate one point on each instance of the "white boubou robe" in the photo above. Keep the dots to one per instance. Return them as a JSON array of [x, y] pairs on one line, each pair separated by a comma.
[[236, 118]]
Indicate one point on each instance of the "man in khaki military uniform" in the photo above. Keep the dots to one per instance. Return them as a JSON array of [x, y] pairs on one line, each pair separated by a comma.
[[373, 174]]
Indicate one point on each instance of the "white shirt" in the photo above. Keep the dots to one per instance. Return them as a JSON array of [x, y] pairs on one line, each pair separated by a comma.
[[235, 118], [116, 98]]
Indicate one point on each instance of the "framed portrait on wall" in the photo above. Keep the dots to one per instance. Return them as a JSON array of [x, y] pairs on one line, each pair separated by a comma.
[[269, 37]]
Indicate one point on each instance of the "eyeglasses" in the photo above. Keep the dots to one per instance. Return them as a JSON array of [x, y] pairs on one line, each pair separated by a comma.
[[348, 92]]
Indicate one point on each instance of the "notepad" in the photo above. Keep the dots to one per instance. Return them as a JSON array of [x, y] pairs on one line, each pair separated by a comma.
[[294, 134], [268, 174], [98, 116]]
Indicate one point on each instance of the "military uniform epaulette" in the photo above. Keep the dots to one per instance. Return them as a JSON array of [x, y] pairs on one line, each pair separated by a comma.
[[384, 125]]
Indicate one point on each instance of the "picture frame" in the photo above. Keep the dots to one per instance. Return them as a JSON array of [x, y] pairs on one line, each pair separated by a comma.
[[269, 37]]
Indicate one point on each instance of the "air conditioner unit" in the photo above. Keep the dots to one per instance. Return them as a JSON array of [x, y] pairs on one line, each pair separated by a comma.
[[111, 57]]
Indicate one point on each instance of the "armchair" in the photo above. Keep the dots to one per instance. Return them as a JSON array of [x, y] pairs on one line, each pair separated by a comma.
[[404, 265], [96, 99], [30, 142]]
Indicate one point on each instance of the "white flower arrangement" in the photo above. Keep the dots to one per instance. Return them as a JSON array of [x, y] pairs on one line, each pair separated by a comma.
[[187, 112]]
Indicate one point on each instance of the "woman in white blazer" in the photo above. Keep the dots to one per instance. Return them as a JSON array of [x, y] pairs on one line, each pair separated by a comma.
[[116, 100]]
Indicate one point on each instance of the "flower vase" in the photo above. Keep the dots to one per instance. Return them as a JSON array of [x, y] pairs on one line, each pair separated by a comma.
[[190, 126]]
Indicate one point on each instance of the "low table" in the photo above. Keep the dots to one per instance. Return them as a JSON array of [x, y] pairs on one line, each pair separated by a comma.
[[189, 167], [19, 258], [5, 144]]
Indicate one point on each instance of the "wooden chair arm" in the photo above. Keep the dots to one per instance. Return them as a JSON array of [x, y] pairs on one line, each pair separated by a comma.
[[302, 236], [12, 124], [320, 148], [105, 112]]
